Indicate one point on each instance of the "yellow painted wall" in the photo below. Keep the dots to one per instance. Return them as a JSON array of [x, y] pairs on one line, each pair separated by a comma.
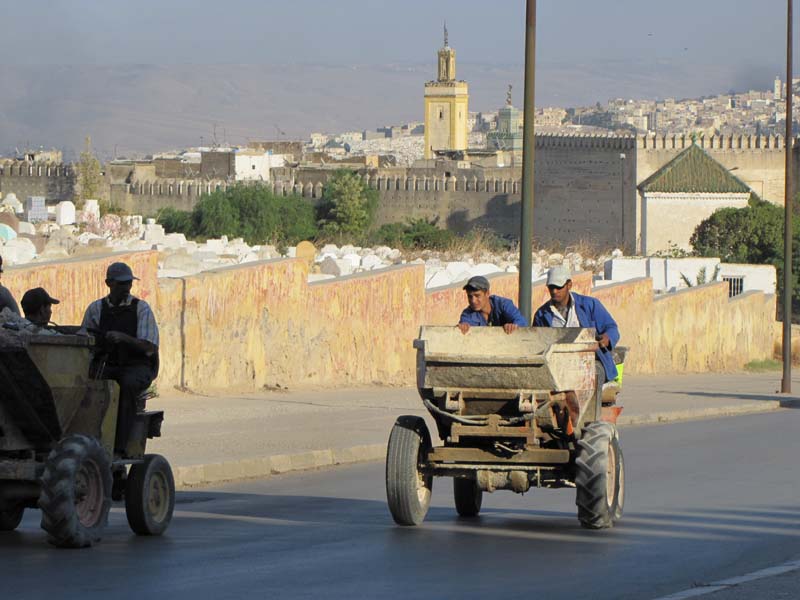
[[78, 282], [262, 324], [695, 330]]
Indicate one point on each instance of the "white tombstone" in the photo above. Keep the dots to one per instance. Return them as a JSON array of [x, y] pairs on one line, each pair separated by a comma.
[[11, 201], [371, 261], [92, 207], [174, 241], [458, 269], [65, 213], [154, 234], [22, 250], [485, 269], [438, 279], [291, 252], [216, 245], [27, 228], [335, 266], [354, 260]]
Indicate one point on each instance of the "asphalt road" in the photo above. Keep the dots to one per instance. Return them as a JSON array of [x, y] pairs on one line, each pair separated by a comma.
[[706, 500]]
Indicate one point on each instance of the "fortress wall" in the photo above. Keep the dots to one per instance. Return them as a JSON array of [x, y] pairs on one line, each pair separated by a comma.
[[54, 182], [584, 190]]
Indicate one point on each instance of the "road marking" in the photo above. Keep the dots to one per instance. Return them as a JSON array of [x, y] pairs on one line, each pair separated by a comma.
[[710, 588]]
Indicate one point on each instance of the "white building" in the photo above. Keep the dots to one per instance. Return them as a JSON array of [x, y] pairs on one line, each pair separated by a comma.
[[681, 194], [255, 165]]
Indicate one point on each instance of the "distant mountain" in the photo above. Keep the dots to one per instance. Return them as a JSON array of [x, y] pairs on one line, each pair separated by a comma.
[[138, 109]]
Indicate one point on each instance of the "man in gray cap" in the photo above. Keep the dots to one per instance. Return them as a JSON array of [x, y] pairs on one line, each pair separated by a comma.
[[569, 309], [486, 309], [127, 344]]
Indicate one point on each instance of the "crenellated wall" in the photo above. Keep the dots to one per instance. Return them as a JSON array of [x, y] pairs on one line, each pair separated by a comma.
[[55, 182], [245, 327]]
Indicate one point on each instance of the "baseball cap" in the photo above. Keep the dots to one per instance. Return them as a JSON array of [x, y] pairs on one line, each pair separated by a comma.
[[119, 271], [34, 299], [558, 276], [479, 282]]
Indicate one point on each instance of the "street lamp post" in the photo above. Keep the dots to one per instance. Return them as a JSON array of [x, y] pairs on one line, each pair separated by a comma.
[[786, 382], [528, 145], [622, 196]]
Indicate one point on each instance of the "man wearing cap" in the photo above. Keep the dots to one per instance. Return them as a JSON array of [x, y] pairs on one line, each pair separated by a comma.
[[6, 299], [569, 309], [486, 309], [38, 306], [127, 350]]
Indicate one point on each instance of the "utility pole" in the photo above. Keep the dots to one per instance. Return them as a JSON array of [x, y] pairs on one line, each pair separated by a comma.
[[528, 146], [786, 383]]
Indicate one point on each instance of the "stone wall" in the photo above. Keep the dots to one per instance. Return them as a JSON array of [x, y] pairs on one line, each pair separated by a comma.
[[79, 281], [54, 182], [692, 331], [244, 328]]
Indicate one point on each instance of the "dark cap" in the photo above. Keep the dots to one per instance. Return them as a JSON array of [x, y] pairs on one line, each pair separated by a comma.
[[479, 282], [119, 271], [34, 299]]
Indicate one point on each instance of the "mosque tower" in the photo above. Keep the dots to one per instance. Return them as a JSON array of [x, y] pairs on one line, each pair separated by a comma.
[[446, 106]]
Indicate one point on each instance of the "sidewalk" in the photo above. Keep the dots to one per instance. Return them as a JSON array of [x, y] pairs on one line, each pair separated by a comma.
[[209, 439]]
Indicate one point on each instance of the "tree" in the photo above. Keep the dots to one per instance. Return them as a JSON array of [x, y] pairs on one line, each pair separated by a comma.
[[348, 205], [754, 235], [251, 212], [90, 176]]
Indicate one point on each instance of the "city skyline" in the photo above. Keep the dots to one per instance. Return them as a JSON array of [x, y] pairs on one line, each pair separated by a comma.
[[137, 78]]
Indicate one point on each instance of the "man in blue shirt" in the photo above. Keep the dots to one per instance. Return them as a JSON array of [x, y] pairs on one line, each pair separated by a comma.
[[486, 309], [568, 309]]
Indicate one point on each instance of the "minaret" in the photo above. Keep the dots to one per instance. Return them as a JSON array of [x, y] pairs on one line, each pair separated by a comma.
[[446, 106]]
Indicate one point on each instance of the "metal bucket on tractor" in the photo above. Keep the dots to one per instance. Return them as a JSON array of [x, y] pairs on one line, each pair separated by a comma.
[[514, 411]]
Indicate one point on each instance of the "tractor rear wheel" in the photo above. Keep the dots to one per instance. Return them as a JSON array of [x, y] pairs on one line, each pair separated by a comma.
[[599, 476], [150, 496], [408, 486], [76, 492], [11, 518], [468, 497]]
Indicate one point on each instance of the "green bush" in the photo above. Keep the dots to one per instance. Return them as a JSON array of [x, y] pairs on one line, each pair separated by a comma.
[[251, 212], [176, 221]]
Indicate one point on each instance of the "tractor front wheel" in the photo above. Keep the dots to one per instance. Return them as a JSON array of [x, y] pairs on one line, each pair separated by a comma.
[[408, 486], [599, 476], [150, 496]]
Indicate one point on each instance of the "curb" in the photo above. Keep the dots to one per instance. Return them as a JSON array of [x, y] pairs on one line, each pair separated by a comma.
[[187, 477], [703, 413], [251, 468]]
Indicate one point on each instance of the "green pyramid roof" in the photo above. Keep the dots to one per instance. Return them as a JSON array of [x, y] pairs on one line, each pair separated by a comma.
[[693, 170]]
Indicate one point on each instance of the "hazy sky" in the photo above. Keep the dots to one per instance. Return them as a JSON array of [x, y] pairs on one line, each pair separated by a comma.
[[243, 66], [747, 33]]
